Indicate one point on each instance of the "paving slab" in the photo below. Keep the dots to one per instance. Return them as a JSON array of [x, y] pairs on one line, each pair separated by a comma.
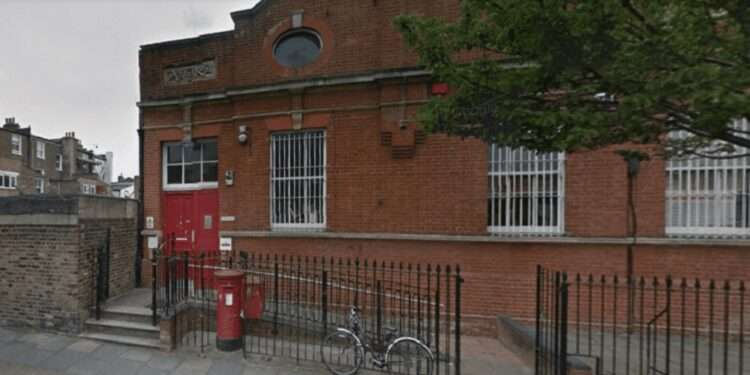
[[164, 361], [137, 355], [226, 367], [15, 369], [32, 357], [151, 371], [122, 366], [85, 346], [7, 335], [57, 343], [88, 366], [10, 350], [194, 366], [62, 360], [109, 351]]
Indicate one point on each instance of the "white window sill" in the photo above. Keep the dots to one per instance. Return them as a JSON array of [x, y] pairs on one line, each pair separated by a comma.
[[188, 187], [298, 228]]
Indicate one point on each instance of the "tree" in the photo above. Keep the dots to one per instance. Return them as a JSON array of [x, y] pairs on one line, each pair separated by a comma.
[[571, 74]]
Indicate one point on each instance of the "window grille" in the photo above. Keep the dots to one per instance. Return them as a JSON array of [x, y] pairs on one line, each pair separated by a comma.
[[709, 197], [15, 144], [526, 191], [8, 180], [191, 165], [298, 180]]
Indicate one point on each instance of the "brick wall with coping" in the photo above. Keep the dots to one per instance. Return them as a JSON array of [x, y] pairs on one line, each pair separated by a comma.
[[48, 257]]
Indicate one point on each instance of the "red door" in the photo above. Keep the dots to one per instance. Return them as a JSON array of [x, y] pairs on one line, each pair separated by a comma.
[[192, 217]]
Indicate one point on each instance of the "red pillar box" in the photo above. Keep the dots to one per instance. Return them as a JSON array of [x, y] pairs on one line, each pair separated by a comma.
[[230, 286], [255, 298]]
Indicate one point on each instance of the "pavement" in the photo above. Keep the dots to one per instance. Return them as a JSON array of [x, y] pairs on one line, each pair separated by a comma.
[[29, 352]]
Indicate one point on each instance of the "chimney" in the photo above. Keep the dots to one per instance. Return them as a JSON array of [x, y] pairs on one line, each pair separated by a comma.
[[10, 123]]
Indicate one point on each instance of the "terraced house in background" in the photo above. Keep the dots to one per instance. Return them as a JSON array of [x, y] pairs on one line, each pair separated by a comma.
[[30, 164], [295, 133]]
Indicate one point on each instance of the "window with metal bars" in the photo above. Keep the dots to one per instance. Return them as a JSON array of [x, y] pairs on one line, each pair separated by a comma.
[[298, 180], [526, 191], [709, 196]]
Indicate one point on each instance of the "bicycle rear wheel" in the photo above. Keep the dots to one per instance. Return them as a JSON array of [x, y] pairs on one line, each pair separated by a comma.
[[409, 356], [342, 353]]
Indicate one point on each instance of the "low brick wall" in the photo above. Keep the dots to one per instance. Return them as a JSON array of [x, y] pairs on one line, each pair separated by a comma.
[[48, 261]]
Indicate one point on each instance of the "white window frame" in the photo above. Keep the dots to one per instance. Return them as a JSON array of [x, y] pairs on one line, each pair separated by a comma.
[[16, 144], [41, 151], [509, 173], [11, 177], [39, 185], [314, 170], [708, 197], [166, 186], [59, 162]]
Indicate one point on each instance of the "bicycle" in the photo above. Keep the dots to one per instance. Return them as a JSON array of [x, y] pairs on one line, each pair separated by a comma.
[[343, 351]]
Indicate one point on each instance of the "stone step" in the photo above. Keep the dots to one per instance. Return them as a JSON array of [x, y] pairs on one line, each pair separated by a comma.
[[126, 313], [123, 340], [122, 328]]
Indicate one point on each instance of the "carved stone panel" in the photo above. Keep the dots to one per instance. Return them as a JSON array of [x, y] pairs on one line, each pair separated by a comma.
[[184, 75]]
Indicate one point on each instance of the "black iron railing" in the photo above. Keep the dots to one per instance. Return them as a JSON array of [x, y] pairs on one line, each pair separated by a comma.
[[304, 298], [614, 325]]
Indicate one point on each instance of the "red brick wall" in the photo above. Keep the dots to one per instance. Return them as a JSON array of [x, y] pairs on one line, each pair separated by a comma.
[[362, 39], [442, 189], [500, 277]]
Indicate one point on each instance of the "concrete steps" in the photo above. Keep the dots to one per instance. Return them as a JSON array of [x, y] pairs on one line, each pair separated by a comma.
[[123, 340], [123, 325]]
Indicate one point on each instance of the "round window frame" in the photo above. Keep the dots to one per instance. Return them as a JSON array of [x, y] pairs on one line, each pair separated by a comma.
[[289, 33]]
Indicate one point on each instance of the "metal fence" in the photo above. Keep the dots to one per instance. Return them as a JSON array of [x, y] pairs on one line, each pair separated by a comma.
[[304, 298], [639, 325]]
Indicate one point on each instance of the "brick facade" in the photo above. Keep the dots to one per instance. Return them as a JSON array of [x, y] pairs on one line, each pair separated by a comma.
[[48, 258], [392, 194]]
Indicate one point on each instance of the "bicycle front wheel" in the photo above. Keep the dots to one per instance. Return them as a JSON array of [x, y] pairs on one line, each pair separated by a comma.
[[342, 353], [409, 356]]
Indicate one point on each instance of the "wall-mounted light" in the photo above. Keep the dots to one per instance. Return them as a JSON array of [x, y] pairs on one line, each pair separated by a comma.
[[242, 136]]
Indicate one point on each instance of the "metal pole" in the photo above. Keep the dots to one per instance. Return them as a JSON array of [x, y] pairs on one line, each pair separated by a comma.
[[153, 290], [324, 301], [459, 280]]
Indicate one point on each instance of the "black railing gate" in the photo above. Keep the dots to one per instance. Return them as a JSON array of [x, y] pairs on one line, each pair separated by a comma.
[[302, 299], [102, 274], [551, 323], [637, 326]]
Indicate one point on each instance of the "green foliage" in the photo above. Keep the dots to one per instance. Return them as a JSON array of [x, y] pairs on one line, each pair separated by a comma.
[[570, 74]]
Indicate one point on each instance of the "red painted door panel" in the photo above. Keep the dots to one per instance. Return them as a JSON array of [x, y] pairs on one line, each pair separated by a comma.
[[193, 218], [207, 222], [179, 219]]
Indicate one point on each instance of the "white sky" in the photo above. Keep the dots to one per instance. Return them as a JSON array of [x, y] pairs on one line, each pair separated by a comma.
[[72, 65]]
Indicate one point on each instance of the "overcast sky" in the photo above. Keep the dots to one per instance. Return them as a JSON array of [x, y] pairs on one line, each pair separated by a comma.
[[72, 65]]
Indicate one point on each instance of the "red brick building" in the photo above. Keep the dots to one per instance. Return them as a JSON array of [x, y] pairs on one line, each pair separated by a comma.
[[294, 133]]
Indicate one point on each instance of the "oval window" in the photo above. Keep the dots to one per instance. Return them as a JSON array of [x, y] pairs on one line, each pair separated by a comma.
[[297, 48]]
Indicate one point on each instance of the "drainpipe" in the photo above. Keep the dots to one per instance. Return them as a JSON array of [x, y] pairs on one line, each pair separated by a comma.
[[633, 161], [139, 238]]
